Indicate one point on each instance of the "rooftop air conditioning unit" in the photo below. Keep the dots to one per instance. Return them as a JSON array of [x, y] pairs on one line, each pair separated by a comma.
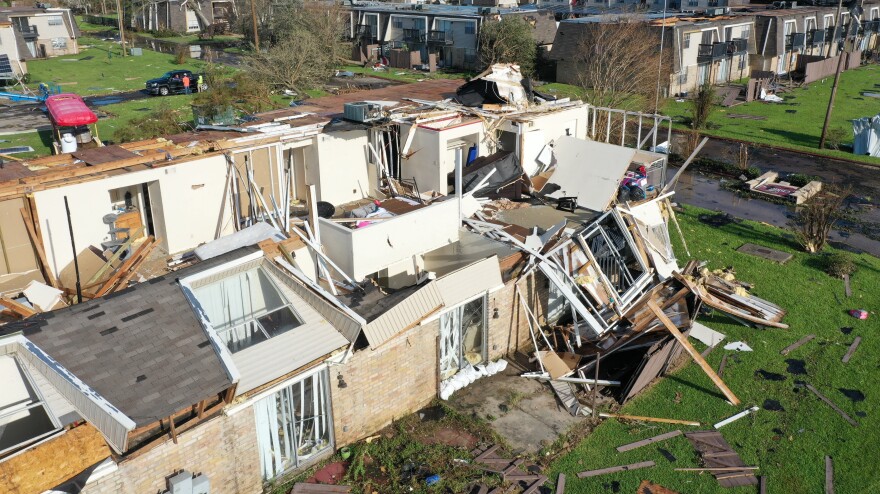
[[361, 111]]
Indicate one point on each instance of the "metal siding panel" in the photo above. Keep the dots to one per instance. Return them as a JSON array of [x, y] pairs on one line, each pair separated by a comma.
[[470, 281], [58, 404], [403, 314]]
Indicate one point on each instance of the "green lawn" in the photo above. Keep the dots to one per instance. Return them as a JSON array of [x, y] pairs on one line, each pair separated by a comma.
[[96, 73], [797, 122], [191, 38], [404, 75], [788, 446]]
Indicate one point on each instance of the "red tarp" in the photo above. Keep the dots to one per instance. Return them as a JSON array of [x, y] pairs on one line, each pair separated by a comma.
[[69, 110]]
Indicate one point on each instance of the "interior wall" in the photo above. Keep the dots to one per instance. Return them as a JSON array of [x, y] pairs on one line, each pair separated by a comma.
[[343, 175], [16, 250], [187, 208], [429, 160]]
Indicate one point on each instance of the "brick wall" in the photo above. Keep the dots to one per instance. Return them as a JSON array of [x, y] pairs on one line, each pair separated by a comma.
[[400, 376], [223, 448]]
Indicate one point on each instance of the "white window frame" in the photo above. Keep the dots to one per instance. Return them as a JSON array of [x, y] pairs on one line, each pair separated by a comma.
[[59, 43], [270, 451], [40, 402], [457, 334], [55, 20]]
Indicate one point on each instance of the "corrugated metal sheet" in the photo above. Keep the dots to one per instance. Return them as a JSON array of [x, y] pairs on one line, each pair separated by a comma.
[[408, 312], [342, 322], [112, 423], [265, 362], [465, 283]]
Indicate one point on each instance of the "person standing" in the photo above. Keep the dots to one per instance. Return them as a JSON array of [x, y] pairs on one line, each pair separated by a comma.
[[200, 83], [186, 83]]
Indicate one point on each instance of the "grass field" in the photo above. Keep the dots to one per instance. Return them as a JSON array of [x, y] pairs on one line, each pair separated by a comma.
[[797, 122], [789, 446], [94, 72]]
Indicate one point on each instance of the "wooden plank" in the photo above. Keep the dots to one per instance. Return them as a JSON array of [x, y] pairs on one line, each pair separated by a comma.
[[115, 257], [832, 405], [846, 286], [20, 309], [487, 453], [722, 365], [172, 429], [560, 484], [123, 283], [714, 469], [852, 349], [621, 468], [650, 440], [797, 344], [762, 489], [648, 419], [693, 353], [124, 268], [829, 476], [532, 489], [304, 488], [38, 246]]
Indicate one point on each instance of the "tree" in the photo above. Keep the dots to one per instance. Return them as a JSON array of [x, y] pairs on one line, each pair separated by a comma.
[[508, 41], [618, 61], [702, 105], [164, 120], [306, 53], [815, 218]]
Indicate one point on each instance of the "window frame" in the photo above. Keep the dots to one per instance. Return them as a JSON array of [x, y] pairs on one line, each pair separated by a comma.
[[484, 351]]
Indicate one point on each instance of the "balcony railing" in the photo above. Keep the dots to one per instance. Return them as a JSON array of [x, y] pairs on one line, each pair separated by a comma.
[[796, 41], [852, 30], [831, 35], [439, 37], [711, 52], [872, 26], [413, 36], [738, 46], [365, 32], [816, 37]]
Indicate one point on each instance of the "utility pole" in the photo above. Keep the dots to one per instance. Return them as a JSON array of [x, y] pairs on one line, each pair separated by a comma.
[[120, 17], [254, 18], [840, 56]]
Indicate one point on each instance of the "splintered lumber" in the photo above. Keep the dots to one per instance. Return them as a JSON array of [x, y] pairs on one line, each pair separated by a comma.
[[693, 352], [128, 268], [648, 487], [846, 286], [735, 417], [722, 365], [560, 484], [115, 257], [829, 476], [18, 308], [650, 440], [716, 453], [620, 468], [533, 488], [852, 349], [714, 469], [647, 419], [797, 344], [832, 405], [38, 246]]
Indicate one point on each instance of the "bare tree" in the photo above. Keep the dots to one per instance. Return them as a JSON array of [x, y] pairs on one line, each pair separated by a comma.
[[815, 218], [617, 63], [307, 53]]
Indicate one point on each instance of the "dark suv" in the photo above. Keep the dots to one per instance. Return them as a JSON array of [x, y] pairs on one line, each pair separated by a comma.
[[172, 83]]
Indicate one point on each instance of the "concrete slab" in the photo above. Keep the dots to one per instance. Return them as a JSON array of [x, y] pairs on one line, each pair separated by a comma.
[[523, 411], [765, 252]]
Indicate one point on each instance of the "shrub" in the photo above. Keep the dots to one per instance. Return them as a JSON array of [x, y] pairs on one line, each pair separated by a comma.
[[836, 137], [800, 179], [838, 264], [702, 106], [163, 33], [181, 56]]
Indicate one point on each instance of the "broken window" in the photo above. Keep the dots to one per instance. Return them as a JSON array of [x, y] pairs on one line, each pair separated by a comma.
[[294, 425], [462, 337], [246, 308], [24, 417]]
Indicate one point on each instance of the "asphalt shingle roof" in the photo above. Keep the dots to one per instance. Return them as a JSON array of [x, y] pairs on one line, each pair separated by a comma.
[[142, 348]]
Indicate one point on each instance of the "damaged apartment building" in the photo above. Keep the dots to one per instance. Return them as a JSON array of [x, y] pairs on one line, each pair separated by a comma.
[[351, 260]]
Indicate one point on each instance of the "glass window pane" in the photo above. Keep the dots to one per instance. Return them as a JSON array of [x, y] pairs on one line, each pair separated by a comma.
[[280, 321], [472, 325]]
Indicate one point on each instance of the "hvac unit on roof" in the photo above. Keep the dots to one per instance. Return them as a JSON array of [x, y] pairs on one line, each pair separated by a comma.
[[362, 111]]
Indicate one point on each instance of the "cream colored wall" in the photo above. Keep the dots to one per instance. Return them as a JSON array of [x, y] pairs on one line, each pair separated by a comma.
[[47, 32], [190, 195], [429, 163], [341, 164], [367, 250]]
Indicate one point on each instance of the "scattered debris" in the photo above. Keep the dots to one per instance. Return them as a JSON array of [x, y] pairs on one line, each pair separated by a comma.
[[735, 417], [846, 288], [765, 253], [621, 468], [829, 475], [767, 185], [650, 440], [648, 487], [832, 405], [796, 367], [853, 394], [304, 488], [666, 454], [708, 337], [859, 314], [769, 376], [716, 453], [648, 419], [560, 484], [772, 405], [852, 349], [799, 343], [739, 346]]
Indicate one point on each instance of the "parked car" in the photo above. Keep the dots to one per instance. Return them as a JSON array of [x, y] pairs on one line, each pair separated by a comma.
[[172, 83]]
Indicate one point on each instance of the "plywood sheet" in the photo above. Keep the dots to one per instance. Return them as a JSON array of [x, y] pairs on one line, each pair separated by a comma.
[[588, 170], [16, 250]]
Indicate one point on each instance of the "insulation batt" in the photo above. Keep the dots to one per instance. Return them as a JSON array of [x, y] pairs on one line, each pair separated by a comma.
[[468, 375]]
